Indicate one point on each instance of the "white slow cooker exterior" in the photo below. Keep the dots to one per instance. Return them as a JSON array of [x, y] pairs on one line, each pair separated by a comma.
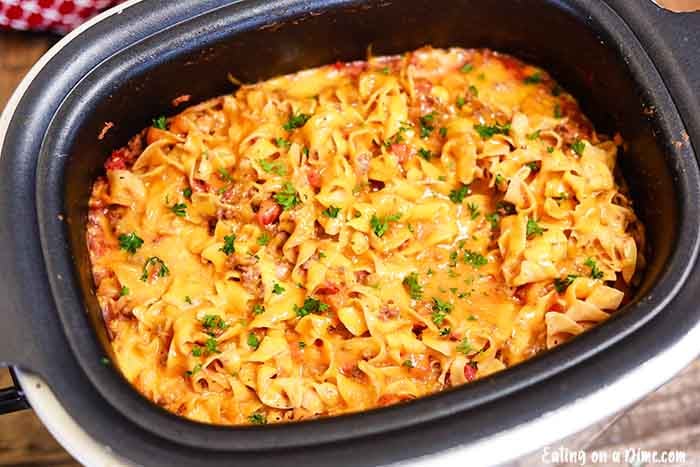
[[504, 447]]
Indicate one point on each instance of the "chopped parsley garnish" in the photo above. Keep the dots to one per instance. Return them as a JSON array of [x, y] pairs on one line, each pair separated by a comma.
[[153, 260], [187, 192], [466, 68], [258, 418], [212, 345], [474, 91], [258, 309], [550, 149], [464, 347], [557, 111], [487, 131], [475, 259], [595, 272], [445, 331], [288, 197], [398, 136], [534, 135], [224, 175], [460, 102], [534, 78], [195, 369], [213, 322], [228, 248], [188, 299], [277, 289], [562, 284], [311, 305], [440, 311], [438, 317], [302, 344], [264, 239], [458, 195], [331, 211], [425, 153], [494, 218], [441, 305], [533, 228], [282, 143], [407, 363], [505, 208], [578, 147], [105, 361], [426, 124], [124, 291], [296, 121], [385, 70], [415, 290], [160, 123], [130, 242], [381, 224], [473, 210], [179, 209], [275, 167], [196, 351], [443, 132], [253, 341], [453, 258]]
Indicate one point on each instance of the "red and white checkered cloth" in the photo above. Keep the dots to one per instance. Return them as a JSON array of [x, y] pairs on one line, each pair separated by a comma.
[[49, 15]]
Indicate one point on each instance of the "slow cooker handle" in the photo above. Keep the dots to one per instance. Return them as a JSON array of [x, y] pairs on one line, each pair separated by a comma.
[[12, 398]]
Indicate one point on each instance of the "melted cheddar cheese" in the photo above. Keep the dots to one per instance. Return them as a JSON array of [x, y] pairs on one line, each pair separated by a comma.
[[356, 235]]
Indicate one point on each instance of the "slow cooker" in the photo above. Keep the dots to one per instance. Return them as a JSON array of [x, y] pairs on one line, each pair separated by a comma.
[[633, 66]]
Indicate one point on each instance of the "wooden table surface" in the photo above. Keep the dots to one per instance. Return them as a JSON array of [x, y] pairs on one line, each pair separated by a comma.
[[666, 420]]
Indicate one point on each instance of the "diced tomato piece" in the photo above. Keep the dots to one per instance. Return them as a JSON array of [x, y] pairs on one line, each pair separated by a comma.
[[116, 161], [327, 288], [338, 65], [556, 306], [521, 293], [314, 178], [515, 66], [269, 212], [355, 68], [470, 371], [199, 186], [423, 86], [402, 151]]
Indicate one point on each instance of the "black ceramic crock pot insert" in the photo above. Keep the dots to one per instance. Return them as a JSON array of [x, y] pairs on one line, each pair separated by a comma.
[[634, 68]]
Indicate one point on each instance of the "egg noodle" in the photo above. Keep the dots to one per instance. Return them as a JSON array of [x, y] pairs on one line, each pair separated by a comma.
[[356, 235]]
